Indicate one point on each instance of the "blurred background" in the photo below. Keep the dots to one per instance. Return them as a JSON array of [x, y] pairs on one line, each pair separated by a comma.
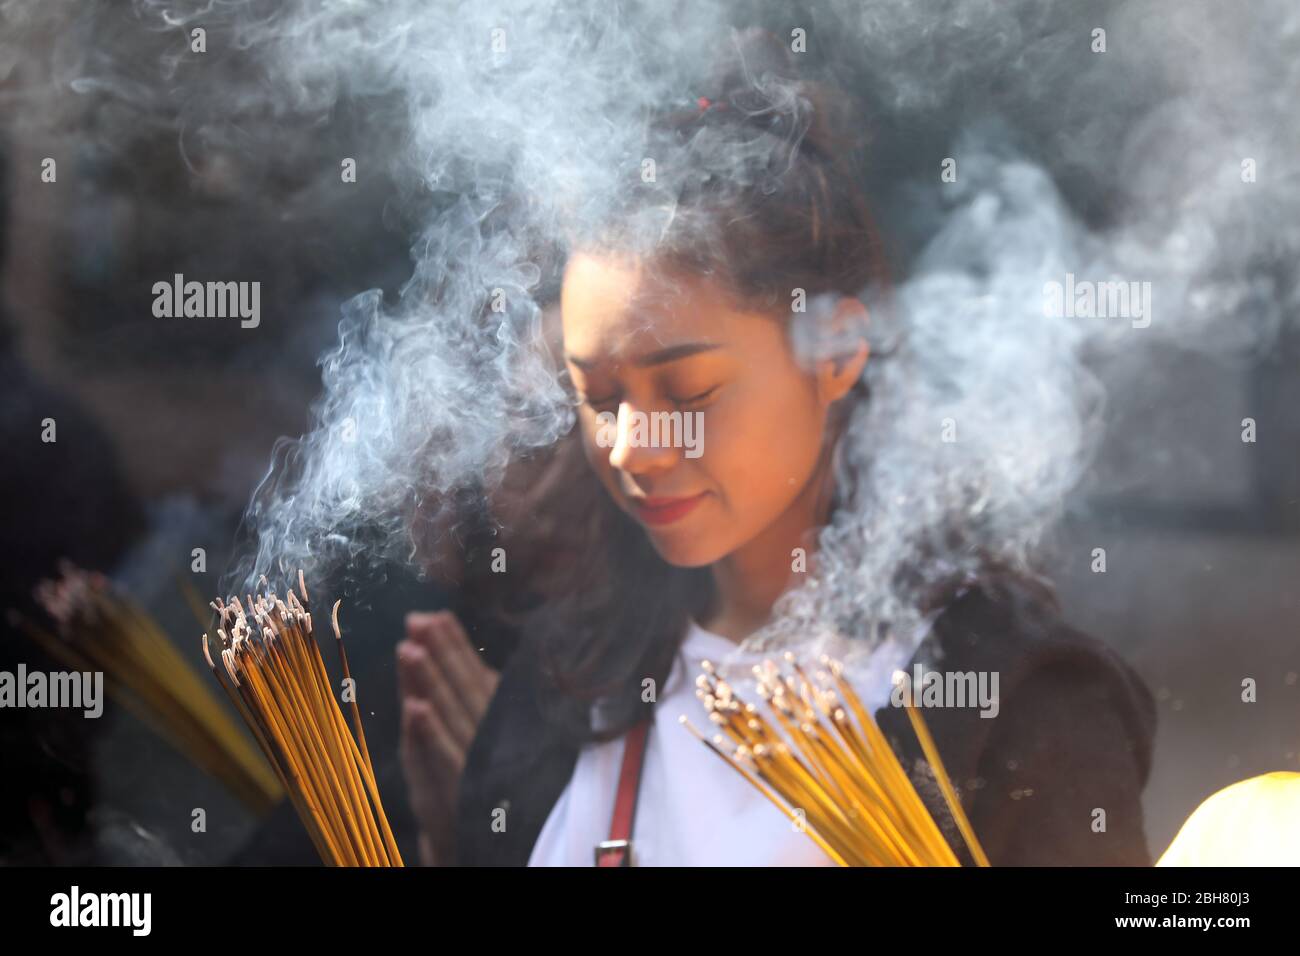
[[165, 428]]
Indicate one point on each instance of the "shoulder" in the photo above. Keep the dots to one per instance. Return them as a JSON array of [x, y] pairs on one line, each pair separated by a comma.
[[515, 770], [1015, 624], [1054, 774]]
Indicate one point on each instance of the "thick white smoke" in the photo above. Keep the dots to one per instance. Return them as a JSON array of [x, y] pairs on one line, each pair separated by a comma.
[[522, 119]]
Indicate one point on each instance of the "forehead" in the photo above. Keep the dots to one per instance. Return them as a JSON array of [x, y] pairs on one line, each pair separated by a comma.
[[617, 308]]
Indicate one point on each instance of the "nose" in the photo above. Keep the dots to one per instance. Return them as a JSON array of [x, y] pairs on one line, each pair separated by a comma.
[[632, 451]]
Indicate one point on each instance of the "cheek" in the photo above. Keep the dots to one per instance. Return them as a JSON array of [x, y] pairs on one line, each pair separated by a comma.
[[764, 450]]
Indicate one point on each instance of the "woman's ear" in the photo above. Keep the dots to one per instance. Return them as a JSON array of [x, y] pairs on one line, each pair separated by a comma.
[[837, 373]]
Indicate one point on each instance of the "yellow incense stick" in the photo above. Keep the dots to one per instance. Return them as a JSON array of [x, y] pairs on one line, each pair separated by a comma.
[[99, 629], [273, 672], [834, 773]]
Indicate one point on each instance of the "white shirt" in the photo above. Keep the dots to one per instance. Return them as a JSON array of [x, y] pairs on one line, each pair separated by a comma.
[[693, 809]]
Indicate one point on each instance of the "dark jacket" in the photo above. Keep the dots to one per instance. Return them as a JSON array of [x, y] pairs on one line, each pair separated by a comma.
[[1073, 734]]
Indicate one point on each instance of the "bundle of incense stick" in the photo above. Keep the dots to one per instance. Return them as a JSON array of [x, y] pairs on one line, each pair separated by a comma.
[[820, 757], [98, 629], [278, 682]]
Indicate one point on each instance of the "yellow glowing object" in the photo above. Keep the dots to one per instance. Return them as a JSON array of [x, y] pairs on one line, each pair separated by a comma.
[[1254, 822]]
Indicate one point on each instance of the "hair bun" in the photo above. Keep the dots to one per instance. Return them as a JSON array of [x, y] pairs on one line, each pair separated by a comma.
[[754, 55], [761, 84]]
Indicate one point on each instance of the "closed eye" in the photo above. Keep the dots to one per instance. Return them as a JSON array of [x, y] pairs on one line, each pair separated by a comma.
[[697, 399], [599, 404]]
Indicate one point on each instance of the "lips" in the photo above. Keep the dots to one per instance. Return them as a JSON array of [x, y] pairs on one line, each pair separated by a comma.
[[661, 511]]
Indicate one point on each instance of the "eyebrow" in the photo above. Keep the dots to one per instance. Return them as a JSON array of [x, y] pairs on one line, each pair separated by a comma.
[[660, 357]]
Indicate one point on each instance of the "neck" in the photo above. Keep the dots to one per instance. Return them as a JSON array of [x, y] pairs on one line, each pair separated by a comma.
[[748, 582]]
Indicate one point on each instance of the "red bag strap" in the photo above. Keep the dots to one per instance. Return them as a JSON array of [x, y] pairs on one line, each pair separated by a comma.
[[617, 850]]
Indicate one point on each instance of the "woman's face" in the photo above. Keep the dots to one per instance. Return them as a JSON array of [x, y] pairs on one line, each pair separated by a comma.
[[695, 413]]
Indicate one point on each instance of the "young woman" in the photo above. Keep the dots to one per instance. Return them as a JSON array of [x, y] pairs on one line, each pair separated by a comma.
[[674, 556]]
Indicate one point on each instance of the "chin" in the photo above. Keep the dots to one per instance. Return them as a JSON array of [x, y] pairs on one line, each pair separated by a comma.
[[685, 551]]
